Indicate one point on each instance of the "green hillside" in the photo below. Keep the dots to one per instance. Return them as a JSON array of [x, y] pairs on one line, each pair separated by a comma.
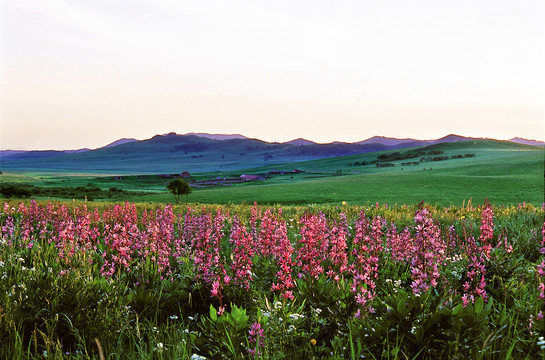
[[503, 172]]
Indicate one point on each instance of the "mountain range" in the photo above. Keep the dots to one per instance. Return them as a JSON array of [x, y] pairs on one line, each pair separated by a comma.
[[200, 152]]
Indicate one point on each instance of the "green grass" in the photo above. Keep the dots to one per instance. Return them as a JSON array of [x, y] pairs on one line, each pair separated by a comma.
[[389, 188], [504, 177], [503, 172]]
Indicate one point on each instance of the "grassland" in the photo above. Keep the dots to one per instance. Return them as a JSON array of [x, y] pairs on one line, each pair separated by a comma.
[[505, 173]]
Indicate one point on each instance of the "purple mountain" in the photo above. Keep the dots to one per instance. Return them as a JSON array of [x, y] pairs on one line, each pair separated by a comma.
[[527, 141], [218, 136]]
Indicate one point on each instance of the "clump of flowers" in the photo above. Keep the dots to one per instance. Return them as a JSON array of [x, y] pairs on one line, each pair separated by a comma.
[[338, 249], [313, 245], [429, 252], [366, 251], [400, 245], [243, 251], [541, 278], [284, 251], [487, 229], [256, 339]]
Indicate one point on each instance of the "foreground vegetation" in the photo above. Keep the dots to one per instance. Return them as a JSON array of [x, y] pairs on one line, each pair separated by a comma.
[[151, 281]]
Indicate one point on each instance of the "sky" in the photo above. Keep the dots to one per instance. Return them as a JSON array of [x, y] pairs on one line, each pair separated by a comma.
[[84, 73]]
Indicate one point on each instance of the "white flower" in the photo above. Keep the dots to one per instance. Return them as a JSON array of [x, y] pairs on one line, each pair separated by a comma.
[[277, 305], [295, 317], [173, 317], [197, 357], [291, 328], [160, 346]]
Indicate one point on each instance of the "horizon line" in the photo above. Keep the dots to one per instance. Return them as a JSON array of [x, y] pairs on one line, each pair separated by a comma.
[[277, 142]]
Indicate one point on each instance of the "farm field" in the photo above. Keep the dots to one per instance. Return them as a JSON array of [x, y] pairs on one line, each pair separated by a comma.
[[294, 282]]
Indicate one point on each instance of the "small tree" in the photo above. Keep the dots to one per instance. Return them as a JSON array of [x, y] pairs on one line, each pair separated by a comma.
[[179, 188]]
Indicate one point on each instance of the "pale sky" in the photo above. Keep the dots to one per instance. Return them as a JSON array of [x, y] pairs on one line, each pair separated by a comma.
[[83, 73]]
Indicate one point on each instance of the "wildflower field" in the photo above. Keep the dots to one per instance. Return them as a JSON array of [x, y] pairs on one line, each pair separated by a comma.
[[128, 281]]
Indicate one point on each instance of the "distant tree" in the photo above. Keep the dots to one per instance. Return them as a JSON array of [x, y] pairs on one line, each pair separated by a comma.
[[179, 188]]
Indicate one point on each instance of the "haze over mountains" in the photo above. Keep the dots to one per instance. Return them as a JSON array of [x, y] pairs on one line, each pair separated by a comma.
[[198, 152]]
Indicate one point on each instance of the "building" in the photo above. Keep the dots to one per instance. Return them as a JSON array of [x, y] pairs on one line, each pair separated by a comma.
[[252, 177]]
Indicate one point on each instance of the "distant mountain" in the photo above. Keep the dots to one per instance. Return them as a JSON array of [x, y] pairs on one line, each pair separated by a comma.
[[527, 141], [453, 138], [6, 153], [120, 142], [16, 155], [300, 142], [389, 141], [218, 136], [174, 153], [76, 151], [408, 142]]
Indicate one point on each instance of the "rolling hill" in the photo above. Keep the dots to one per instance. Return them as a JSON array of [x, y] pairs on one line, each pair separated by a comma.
[[501, 171], [442, 173], [174, 153]]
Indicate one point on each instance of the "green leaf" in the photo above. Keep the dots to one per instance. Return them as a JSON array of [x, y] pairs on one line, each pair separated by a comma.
[[457, 309], [213, 313], [479, 305], [419, 335], [401, 305], [231, 321]]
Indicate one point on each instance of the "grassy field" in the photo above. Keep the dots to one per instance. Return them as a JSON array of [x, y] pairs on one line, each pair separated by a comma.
[[505, 173]]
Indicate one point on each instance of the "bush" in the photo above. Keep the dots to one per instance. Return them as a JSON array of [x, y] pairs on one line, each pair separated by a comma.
[[16, 191]]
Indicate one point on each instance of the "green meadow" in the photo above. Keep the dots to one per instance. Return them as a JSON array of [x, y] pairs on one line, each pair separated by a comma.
[[503, 172]]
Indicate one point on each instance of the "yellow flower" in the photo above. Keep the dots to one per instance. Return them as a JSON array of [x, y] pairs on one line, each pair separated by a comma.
[[313, 341], [344, 203]]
